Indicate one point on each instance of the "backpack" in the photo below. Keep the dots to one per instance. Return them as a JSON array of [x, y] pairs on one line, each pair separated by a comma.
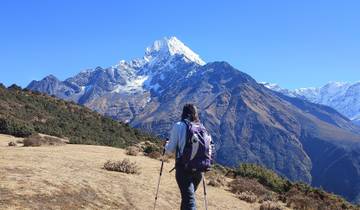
[[199, 149]]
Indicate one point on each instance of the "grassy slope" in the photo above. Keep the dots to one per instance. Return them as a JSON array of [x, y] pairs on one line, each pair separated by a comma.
[[71, 177]]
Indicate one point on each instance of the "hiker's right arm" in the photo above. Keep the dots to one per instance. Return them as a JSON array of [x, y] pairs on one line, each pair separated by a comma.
[[171, 145]]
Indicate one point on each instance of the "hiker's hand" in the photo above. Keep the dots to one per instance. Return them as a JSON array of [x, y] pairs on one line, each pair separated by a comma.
[[166, 141]]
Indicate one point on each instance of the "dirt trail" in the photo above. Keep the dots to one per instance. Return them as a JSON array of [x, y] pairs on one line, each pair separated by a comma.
[[71, 177]]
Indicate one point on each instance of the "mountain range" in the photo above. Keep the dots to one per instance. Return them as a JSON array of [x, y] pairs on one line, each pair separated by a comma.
[[342, 96], [298, 139]]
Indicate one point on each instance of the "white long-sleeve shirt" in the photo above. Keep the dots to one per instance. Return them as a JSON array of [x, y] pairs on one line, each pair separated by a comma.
[[177, 139]]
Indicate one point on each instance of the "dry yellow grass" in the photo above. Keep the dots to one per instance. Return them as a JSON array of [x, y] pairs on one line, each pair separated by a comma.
[[71, 177]]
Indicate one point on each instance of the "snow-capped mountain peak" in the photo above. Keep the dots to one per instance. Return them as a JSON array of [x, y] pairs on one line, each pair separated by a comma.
[[168, 47], [166, 59]]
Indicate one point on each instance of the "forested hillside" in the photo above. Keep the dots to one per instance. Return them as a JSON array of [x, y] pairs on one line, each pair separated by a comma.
[[24, 112]]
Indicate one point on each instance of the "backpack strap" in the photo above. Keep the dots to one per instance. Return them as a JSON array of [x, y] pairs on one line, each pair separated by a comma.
[[187, 135]]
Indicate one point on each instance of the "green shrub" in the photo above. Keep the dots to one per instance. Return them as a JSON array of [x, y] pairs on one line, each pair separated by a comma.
[[215, 178], [220, 169], [247, 197], [151, 148], [264, 176], [243, 184], [132, 150], [154, 155], [11, 144], [125, 166], [269, 205]]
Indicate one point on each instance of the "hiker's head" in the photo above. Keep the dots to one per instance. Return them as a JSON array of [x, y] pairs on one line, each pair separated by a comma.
[[190, 113]]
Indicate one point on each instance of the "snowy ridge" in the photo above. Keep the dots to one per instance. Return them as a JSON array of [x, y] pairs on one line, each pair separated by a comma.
[[342, 96], [272, 86], [138, 74], [134, 85]]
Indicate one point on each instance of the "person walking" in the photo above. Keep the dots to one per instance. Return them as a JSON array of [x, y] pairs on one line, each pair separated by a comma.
[[194, 150]]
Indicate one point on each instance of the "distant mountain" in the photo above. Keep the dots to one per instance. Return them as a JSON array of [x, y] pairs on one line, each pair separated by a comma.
[[342, 96], [250, 123]]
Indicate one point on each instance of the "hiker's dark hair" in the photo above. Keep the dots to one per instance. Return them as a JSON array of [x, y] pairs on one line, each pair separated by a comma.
[[190, 113]]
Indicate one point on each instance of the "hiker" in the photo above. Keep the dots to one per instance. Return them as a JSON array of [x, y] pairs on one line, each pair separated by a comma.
[[190, 162]]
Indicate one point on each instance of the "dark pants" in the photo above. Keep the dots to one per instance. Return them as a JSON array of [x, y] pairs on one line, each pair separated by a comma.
[[188, 183]]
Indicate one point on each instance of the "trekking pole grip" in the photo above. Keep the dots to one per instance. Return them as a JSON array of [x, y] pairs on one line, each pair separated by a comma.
[[164, 146]]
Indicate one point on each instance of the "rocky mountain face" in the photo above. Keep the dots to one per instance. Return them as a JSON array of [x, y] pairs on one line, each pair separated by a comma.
[[249, 122], [342, 96]]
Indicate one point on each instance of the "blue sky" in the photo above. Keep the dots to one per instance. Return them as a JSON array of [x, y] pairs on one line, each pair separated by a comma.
[[292, 43]]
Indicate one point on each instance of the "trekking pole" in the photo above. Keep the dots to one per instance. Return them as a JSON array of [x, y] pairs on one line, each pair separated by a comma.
[[161, 169], [205, 200]]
